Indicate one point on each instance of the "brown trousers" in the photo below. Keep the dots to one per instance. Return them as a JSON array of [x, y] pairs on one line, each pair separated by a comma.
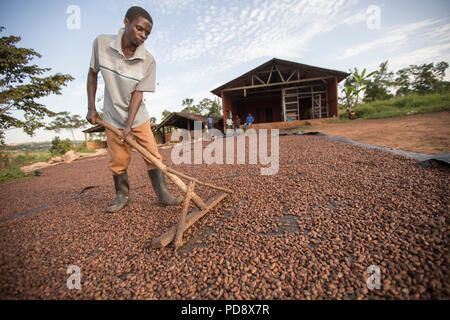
[[119, 152]]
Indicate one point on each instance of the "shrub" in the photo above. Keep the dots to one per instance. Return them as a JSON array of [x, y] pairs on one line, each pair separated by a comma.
[[60, 146], [12, 173]]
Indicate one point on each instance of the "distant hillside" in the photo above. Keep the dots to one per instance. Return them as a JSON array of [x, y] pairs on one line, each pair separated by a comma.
[[35, 146]]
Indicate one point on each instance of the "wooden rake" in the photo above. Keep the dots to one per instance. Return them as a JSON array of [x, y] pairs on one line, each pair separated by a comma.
[[175, 233]]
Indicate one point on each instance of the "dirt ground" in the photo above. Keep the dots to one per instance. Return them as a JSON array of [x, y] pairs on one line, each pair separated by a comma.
[[423, 133]]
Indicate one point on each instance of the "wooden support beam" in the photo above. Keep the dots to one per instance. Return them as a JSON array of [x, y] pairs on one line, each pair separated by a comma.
[[258, 79], [292, 74], [279, 73], [270, 76], [283, 103], [277, 84]]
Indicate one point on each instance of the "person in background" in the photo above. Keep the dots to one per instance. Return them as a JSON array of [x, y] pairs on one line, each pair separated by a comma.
[[209, 122], [248, 122], [237, 124], [229, 123], [209, 126]]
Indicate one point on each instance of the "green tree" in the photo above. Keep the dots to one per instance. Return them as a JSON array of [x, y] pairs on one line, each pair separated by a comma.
[[354, 86], [188, 107], [378, 87], [403, 82], [152, 120], [21, 85], [65, 121], [187, 102], [204, 107], [60, 146], [422, 79], [211, 107], [165, 114]]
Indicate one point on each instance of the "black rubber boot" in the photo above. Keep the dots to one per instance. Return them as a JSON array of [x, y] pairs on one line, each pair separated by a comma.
[[122, 192], [159, 185]]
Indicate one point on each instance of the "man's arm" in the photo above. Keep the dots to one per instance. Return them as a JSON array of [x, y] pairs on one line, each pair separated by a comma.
[[92, 114], [135, 103]]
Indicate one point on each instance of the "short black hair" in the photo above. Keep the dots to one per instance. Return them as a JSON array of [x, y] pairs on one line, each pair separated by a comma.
[[135, 12]]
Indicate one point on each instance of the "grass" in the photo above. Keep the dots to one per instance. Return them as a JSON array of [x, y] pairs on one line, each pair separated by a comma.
[[401, 106], [24, 158], [304, 127], [82, 149], [12, 173]]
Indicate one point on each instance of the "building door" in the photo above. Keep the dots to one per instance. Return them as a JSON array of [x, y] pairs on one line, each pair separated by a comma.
[[269, 117], [304, 104]]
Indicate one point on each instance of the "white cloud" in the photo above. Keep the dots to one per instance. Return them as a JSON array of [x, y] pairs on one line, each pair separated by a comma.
[[440, 34], [354, 19], [396, 37], [264, 29], [423, 55]]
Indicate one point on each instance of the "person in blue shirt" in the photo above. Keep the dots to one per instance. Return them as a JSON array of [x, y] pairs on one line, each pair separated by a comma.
[[248, 122], [209, 121], [209, 126]]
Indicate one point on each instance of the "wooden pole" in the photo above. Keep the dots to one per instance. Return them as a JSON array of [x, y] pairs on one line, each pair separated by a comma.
[[197, 181], [182, 221]]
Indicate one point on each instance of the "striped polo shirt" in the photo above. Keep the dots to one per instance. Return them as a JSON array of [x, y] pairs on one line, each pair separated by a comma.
[[122, 77]]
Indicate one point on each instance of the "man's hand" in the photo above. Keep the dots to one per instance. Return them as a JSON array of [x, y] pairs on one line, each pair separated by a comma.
[[135, 103], [92, 116], [125, 133]]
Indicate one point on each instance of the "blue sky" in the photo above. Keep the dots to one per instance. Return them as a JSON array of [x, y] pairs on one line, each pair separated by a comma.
[[199, 45]]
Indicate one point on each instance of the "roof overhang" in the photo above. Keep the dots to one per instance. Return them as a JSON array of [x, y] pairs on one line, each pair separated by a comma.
[[180, 120]]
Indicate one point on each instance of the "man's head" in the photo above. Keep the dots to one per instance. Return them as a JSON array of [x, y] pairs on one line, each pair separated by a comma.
[[138, 25]]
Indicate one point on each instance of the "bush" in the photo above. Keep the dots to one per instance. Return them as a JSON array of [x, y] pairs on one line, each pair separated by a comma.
[[60, 146], [12, 173]]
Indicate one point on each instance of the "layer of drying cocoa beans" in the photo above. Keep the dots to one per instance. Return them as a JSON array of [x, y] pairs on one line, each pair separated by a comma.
[[336, 221]]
